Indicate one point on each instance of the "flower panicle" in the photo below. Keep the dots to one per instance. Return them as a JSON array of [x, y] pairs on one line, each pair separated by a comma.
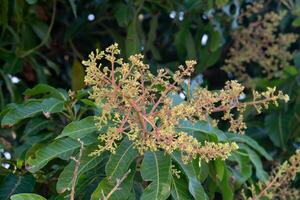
[[136, 103]]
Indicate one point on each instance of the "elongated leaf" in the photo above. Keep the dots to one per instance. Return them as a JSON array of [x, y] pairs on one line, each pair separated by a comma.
[[22, 111], [45, 90], [13, 184], [278, 129], [244, 170], [156, 167], [225, 187], [4, 12], [133, 44], [249, 141], [77, 75], [203, 127], [106, 186], [52, 105], [119, 162], [260, 172], [79, 129], [27, 196], [74, 7], [180, 190], [40, 158], [190, 170], [86, 163], [35, 125]]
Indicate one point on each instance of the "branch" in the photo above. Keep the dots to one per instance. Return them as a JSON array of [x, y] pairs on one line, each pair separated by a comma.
[[75, 173], [116, 187]]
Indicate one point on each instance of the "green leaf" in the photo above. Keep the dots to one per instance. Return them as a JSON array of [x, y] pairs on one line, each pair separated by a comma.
[[45, 90], [214, 40], [27, 196], [201, 126], [190, 171], [73, 6], [278, 129], [156, 167], [260, 172], [119, 162], [41, 157], [52, 105], [133, 45], [220, 168], [22, 111], [123, 14], [249, 141], [13, 184], [40, 29], [86, 163], [179, 190], [106, 186], [244, 171], [4, 12], [296, 22], [77, 75], [226, 187], [297, 59], [79, 129]]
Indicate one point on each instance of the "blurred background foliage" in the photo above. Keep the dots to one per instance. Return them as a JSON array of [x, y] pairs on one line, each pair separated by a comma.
[[44, 42]]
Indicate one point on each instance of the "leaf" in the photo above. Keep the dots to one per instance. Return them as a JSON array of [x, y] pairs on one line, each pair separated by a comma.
[[220, 168], [278, 129], [35, 125], [156, 167], [296, 22], [77, 75], [52, 105], [13, 184], [244, 171], [118, 163], [86, 163], [27, 196], [133, 45], [45, 90], [260, 172], [22, 111], [190, 171], [106, 186], [123, 14], [4, 12], [179, 189], [214, 41], [73, 6], [297, 59], [41, 157], [201, 126], [226, 187], [40, 29], [249, 141], [79, 129]]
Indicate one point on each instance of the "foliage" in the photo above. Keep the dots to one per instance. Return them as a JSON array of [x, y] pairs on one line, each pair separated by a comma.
[[177, 140]]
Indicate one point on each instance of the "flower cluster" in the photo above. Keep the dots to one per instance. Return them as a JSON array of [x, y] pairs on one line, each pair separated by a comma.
[[278, 186], [260, 44], [137, 104]]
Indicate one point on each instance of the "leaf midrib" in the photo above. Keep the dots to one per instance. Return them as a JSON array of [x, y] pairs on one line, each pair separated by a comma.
[[119, 161]]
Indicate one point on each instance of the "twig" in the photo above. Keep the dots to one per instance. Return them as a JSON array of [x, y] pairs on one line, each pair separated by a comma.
[[75, 173], [115, 188]]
